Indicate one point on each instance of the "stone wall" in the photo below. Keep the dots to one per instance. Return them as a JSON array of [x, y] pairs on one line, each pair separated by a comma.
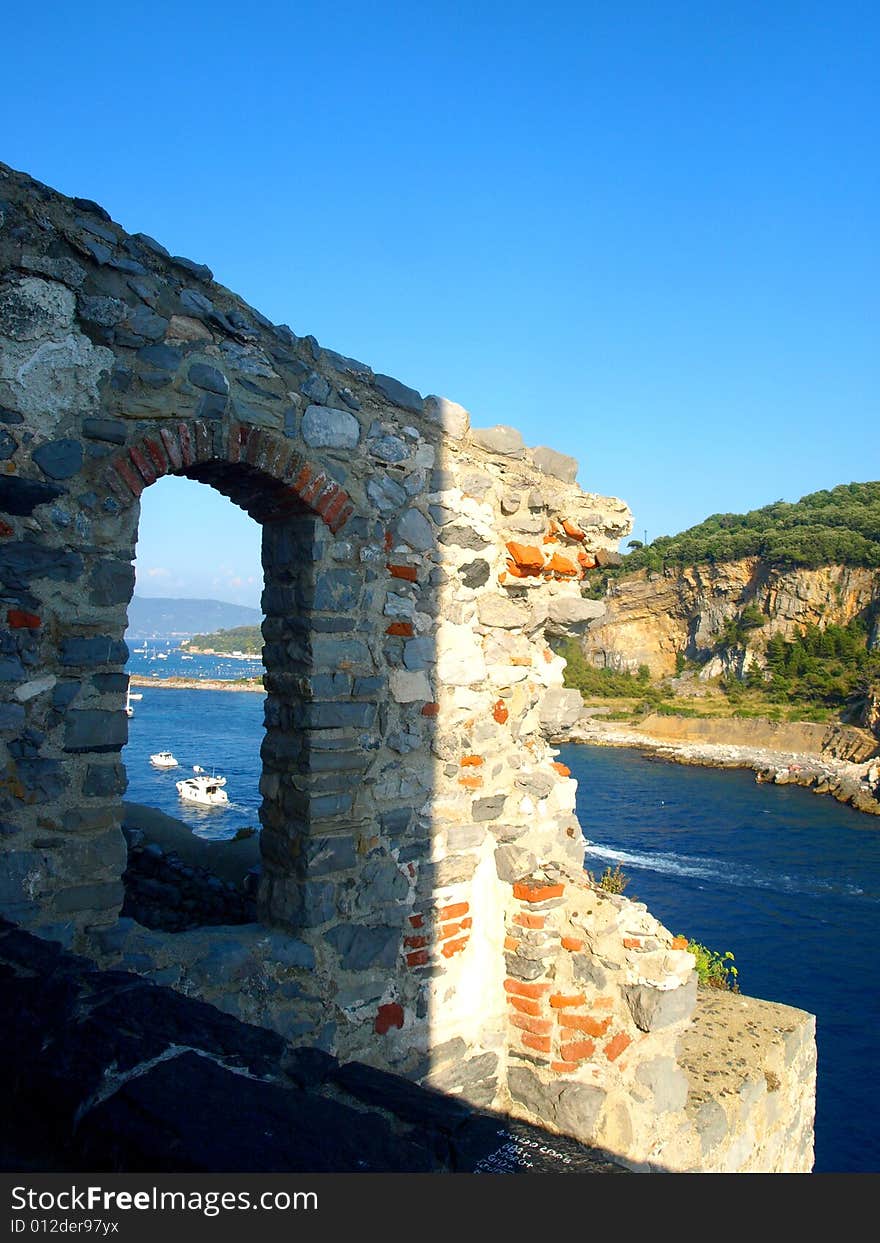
[[422, 905]]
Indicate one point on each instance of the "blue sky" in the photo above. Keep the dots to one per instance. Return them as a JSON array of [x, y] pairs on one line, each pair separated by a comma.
[[644, 233]]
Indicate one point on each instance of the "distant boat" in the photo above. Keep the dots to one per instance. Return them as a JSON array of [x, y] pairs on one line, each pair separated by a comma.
[[204, 790], [163, 759], [161, 655], [140, 649]]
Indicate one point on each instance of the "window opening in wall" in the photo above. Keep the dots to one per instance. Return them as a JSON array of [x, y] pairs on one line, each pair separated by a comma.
[[195, 709]]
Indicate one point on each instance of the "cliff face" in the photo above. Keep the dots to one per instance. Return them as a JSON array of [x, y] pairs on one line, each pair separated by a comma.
[[652, 617]]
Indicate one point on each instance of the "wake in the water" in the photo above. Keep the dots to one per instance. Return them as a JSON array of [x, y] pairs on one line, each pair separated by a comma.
[[736, 874]]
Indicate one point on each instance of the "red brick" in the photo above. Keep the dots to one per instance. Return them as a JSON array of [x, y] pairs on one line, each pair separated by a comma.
[[313, 488], [415, 943], [172, 447], [679, 943], [404, 629], [430, 709], [561, 1001], [538, 1027], [577, 1050], [471, 761], [417, 958], [540, 1043], [520, 988], [602, 1003], [450, 930], [584, 1023], [562, 1068], [526, 558], [19, 620], [132, 480], [528, 892], [572, 530], [500, 712], [616, 1045], [335, 509], [453, 911], [187, 449], [562, 566], [511, 943], [632, 943], [573, 944], [407, 572], [525, 920], [5, 528], [336, 524], [388, 1016], [562, 769], [144, 465], [417, 921], [449, 948], [525, 1006], [471, 783], [157, 455]]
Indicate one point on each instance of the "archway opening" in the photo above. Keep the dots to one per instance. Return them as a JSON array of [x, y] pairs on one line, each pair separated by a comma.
[[196, 709]]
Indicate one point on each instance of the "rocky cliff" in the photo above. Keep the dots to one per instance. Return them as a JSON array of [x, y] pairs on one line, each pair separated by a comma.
[[652, 617]]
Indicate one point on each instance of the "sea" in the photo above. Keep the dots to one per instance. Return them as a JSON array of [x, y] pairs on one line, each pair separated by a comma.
[[786, 880]]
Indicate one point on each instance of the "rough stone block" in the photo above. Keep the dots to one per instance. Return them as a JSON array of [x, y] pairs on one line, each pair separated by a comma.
[[399, 393], [89, 650], [324, 427], [573, 611], [91, 729], [653, 1008], [501, 439], [360, 947], [560, 465]]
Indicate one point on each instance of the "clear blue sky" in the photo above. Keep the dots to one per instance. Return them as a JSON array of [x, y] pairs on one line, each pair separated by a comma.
[[644, 233]]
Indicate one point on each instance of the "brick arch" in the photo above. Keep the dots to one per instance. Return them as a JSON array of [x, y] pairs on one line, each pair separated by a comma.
[[273, 481]]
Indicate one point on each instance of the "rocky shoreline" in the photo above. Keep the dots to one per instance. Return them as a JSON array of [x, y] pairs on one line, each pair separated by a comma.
[[199, 684], [855, 784]]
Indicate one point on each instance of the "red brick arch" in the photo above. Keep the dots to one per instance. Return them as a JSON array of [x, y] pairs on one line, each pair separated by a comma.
[[283, 480]]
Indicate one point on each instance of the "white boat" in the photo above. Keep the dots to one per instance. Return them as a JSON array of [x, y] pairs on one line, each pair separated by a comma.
[[161, 655], [202, 789], [163, 759]]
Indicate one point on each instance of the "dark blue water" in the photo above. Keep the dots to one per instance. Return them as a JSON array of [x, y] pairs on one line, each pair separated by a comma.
[[220, 730], [785, 879]]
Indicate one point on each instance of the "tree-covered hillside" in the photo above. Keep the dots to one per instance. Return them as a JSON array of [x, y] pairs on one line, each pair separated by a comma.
[[836, 527], [239, 639]]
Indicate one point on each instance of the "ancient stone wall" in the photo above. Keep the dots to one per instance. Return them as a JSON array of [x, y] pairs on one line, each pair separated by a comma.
[[423, 905]]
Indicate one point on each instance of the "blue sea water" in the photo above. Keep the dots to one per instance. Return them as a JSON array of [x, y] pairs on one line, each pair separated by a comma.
[[219, 730], [786, 880]]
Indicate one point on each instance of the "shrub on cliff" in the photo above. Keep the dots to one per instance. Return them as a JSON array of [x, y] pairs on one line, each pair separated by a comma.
[[840, 526]]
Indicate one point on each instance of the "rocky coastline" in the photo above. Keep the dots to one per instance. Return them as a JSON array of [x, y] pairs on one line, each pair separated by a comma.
[[199, 684], [855, 784]]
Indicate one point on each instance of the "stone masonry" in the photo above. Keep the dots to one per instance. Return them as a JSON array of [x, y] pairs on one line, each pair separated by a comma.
[[423, 906]]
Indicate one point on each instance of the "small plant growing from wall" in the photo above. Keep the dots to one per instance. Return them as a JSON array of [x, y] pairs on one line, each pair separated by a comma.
[[713, 970], [612, 880]]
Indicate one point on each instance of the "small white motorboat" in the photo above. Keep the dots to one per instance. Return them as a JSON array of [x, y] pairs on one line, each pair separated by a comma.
[[204, 790], [163, 759]]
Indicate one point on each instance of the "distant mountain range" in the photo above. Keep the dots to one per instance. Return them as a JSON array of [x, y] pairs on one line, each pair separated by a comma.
[[164, 617]]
